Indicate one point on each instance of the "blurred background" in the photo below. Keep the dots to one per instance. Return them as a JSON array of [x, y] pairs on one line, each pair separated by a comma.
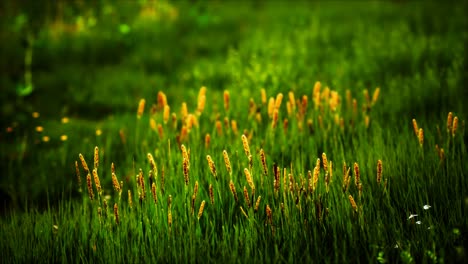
[[72, 72]]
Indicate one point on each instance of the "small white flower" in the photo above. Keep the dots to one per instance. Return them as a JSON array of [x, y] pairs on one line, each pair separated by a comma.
[[428, 227], [426, 207], [412, 216], [396, 246], [418, 222]]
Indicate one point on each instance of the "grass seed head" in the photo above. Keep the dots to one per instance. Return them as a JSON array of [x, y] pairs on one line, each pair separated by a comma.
[[78, 176], [115, 182], [226, 100], [353, 203], [130, 202], [246, 197], [257, 203], [97, 182], [375, 96], [269, 214], [207, 141], [153, 192], [415, 127], [279, 99], [263, 159], [263, 96], [186, 171], [166, 113], [325, 162], [449, 122], [90, 187], [271, 106], [454, 126], [211, 193], [421, 137], [83, 163], [200, 211], [227, 162], [357, 175], [245, 143], [233, 191], [249, 179], [234, 127], [116, 214], [141, 108], [379, 171]]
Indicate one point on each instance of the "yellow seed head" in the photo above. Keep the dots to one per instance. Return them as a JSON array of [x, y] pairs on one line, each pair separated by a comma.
[[257, 203], [279, 99], [186, 171], [356, 174], [454, 126], [269, 214], [211, 165], [96, 181], [96, 157], [169, 217], [245, 143], [234, 127], [219, 127], [375, 96], [353, 203], [166, 113], [325, 162], [248, 177], [200, 211], [90, 187], [263, 96], [153, 124], [271, 106], [415, 127], [421, 137], [366, 121], [115, 182], [195, 189], [184, 111], [83, 163], [162, 100], [227, 162], [207, 140], [449, 122], [141, 108], [226, 100]]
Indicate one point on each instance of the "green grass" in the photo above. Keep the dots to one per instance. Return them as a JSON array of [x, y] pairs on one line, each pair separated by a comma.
[[416, 57]]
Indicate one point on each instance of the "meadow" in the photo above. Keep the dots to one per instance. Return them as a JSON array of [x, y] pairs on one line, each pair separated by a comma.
[[160, 131]]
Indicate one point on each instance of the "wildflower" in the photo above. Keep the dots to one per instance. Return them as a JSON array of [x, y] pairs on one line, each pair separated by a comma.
[[426, 207], [412, 216], [418, 222]]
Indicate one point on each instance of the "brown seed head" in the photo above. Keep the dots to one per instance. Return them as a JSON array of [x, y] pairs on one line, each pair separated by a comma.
[[90, 187], [186, 171], [115, 182], [233, 191], [246, 197], [210, 190], [379, 171], [219, 127], [263, 159], [207, 140], [116, 213], [83, 163], [78, 176], [269, 214]]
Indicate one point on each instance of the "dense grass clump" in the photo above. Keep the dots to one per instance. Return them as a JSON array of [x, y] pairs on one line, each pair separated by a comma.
[[187, 134]]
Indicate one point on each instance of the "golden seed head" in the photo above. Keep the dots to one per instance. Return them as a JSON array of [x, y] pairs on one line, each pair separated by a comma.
[[115, 182], [263, 96], [162, 100], [227, 162], [219, 127], [83, 162], [245, 143], [90, 187], [271, 106], [207, 140], [195, 189], [186, 171], [257, 203], [233, 191], [454, 126], [325, 162], [141, 108], [375, 96], [421, 137], [415, 127], [211, 165], [449, 122], [184, 111], [226, 100], [246, 197], [96, 181], [269, 214], [353, 203], [166, 113], [200, 211], [275, 118], [248, 177], [35, 114], [153, 192], [366, 121], [379, 171], [234, 127], [39, 129], [96, 157], [356, 174], [153, 124], [279, 99]]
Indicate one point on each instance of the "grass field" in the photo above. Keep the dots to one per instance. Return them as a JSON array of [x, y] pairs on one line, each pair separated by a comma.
[[325, 132]]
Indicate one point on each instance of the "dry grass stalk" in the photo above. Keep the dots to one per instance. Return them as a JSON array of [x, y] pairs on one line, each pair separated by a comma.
[[227, 162], [233, 191], [379, 171], [116, 214], [90, 187], [211, 165], [141, 108], [353, 203], [83, 163], [96, 157], [357, 175], [97, 182], [200, 211], [246, 197], [245, 143], [211, 192]]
